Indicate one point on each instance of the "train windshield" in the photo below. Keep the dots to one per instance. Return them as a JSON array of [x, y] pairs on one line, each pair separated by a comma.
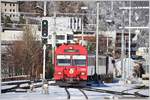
[[79, 60], [63, 60]]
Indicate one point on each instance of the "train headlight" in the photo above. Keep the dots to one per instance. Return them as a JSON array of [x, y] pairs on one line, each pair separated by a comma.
[[59, 73], [83, 73]]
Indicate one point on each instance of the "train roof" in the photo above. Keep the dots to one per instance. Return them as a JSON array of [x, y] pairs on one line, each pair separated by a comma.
[[71, 49]]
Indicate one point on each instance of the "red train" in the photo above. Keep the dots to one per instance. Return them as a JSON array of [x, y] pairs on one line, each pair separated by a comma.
[[71, 65]]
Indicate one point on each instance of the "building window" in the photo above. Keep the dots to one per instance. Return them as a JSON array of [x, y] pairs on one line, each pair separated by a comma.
[[10, 4], [5, 4], [13, 15], [10, 15], [69, 37], [13, 10], [5, 10], [10, 10], [60, 37], [13, 4]]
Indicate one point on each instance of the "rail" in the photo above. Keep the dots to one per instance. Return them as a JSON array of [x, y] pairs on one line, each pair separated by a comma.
[[136, 94], [83, 93], [68, 94]]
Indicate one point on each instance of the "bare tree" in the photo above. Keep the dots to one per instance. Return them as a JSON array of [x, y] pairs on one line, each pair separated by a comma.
[[31, 53], [25, 56]]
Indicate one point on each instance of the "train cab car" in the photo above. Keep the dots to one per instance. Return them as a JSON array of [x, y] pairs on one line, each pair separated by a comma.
[[71, 64]]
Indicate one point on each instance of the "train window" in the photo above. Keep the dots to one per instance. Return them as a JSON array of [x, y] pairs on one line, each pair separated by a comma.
[[91, 61], [63, 60], [79, 60]]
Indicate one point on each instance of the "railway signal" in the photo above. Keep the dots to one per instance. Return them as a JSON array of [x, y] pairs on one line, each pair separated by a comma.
[[44, 28], [44, 40]]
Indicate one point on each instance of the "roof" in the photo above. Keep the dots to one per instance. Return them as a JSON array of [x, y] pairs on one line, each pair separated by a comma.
[[71, 49], [10, 1]]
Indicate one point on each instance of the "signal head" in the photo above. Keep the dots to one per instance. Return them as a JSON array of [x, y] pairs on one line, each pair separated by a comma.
[[44, 28]]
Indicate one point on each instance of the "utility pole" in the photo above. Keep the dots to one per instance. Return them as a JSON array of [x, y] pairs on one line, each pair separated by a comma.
[[82, 30], [149, 45], [0, 51], [45, 8], [45, 28], [44, 55], [129, 41], [107, 43], [54, 35], [122, 45], [44, 47], [97, 38], [83, 8], [122, 48]]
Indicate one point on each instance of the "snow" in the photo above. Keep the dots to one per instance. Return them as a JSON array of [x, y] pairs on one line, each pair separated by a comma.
[[17, 81], [145, 92], [58, 93], [128, 68], [8, 86], [55, 93], [24, 85]]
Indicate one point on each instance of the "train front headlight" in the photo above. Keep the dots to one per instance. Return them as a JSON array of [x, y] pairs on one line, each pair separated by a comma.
[[59, 73], [83, 73]]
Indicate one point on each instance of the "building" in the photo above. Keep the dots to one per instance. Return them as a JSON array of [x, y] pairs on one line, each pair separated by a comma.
[[31, 9], [11, 9], [61, 37], [63, 23], [63, 27], [126, 42], [106, 41]]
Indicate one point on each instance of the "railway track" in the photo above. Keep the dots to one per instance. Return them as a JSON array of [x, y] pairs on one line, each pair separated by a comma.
[[136, 94], [19, 85], [68, 93], [83, 93], [81, 89], [69, 96]]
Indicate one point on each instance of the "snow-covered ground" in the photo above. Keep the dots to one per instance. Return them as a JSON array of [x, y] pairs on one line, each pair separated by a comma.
[[57, 93], [8, 86]]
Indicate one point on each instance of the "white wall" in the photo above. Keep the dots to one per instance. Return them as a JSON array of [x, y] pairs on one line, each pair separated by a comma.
[[63, 23], [14, 35], [11, 35]]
